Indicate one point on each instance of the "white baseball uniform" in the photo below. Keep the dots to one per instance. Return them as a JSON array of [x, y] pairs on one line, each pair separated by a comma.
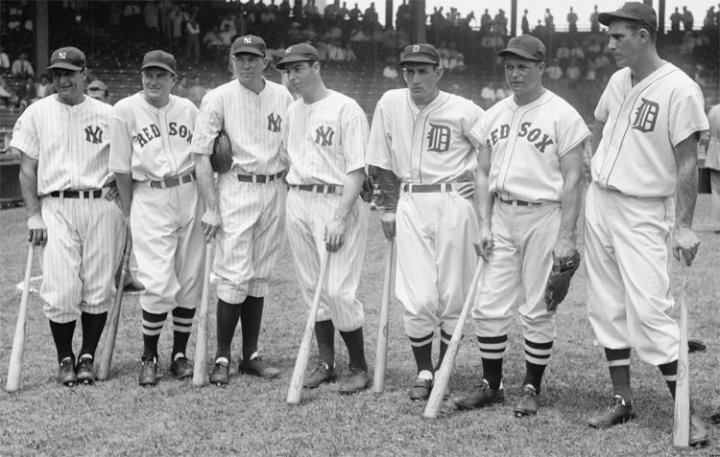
[[153, 144], [526, 143], [325, 141], [435, 231], [252, 213], [712, 162], [85, 235], [629, 209]]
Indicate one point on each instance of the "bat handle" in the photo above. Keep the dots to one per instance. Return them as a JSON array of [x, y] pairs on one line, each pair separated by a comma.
[[382, 339]]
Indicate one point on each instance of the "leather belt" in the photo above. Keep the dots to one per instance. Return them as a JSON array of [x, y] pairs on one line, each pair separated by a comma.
[[520, 202], [173, 181], [428, 188], [260, 179], [319, 188], [96, 193]]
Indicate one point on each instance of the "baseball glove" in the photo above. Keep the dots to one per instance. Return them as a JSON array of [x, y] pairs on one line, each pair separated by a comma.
[[221, 157], [558, 282]]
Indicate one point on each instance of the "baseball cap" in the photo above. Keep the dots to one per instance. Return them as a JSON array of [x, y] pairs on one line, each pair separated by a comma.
[[301, 52], [97, 85], [525, 46], [420, 53], [248, 44], [159, 59], [67, 58], [634, 11]]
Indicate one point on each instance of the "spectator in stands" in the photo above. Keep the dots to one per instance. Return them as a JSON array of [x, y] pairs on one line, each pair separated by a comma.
[[390, 71], [181, 88], [22, 67], [370, 17], [403, 19], [593, 47], [525, 27], [212, 42], [355, 15], [486, 23], [4, 61], [164, 9], [549, 22], [709, 23], [562, 54], [554, 71], [487, 96], [576, 52], [590, 73], [192, 37], [227, 34], [572, 19], [573, 72], [98, 90], [26, 94], [501, 92], [675, 20], [131, 16], [177, 18], [594, 22], [45, 87], [500, 23], [687, 19], [7, 96], [151, 14]]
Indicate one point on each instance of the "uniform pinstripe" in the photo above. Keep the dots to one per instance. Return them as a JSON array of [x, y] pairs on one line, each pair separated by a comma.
[[326, 140], [85, 236]]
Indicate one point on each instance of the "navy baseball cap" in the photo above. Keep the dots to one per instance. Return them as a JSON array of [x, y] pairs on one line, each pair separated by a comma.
[[420, 53], [301, 52], [249, 44], [525, 46], [633, 11], [67, 58], [159, 59]]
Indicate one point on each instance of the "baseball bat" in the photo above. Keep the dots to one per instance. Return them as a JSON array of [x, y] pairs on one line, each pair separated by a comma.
[[442, 378], [200, 368], [296, 382], [382, 339], [681, 423], [111, 332], [18, 347]]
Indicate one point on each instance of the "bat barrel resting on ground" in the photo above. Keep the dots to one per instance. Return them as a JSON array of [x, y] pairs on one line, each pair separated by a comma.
[[382, 340], [18, 347], [681, 422], [200, 367]]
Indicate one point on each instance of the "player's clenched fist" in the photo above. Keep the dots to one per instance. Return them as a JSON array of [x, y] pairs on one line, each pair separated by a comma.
[[685, 243], [388, 224], [37, 232], [335, 233], [210, 224], [485, 244]]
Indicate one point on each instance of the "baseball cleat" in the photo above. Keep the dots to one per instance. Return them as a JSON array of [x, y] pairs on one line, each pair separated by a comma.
[[220, 375], [85, 370], [257, 367], [181, 368], [619, 413], [699, 435], [321, 374], [528, 403], [148, 372], [421, 389], [357, 381], [66, 372], [485, 396]]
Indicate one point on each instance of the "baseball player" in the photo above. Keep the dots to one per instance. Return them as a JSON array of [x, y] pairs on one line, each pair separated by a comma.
[[63, 141], [712, 163], [247, 210], [644, 188], [150, 135], [325, 142], [421, 145], [531, 167]]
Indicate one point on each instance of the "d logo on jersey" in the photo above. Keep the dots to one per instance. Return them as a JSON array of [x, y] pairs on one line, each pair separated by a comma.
[[93, 134], [274, 122], [646, 116], [438, 138], [324, 136]]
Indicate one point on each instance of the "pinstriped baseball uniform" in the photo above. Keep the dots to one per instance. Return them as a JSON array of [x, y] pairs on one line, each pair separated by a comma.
[[325, 141], [252, 214], [526, 143], [85, 236], [436, 230], [630, 209], [153, 144]]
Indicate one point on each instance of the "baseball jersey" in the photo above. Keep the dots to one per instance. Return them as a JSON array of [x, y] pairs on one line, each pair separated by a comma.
[[151, 143], [526, 143], [424, 145], [325, 140], [70, 143], [642, 125], [713, 151], [256, 128]]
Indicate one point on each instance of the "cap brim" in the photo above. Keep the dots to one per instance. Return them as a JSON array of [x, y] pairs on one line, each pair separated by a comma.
[[285, 61], [419, 59], [248, 50], [158, 65], [518, 52], [64, 66]]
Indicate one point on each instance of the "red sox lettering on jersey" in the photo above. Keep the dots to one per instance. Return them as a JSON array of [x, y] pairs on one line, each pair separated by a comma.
[[152, 131], [526, 131]]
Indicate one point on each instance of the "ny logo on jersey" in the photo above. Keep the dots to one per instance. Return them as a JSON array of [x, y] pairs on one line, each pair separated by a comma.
[[646, 116], [324, 136], [93, 134], [438, 138], [274, 122]]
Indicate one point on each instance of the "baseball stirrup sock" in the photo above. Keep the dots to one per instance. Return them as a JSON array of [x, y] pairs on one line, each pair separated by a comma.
[[228, 315], [619, 365], [152, 325], [182, 326], [355, 343], [444, 342], [669, 372], [325, 336], [422, 351], [537, 356], [492, 352], [92, 327], [251, 311], [63, 335]]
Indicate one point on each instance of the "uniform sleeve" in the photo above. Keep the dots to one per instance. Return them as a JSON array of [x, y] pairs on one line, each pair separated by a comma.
[[475, 114], [687, 114], [120, 140], [210, 121], [478, 132], [602, 110], [571, 130], [378, 150], [355, 138], [24, 136]]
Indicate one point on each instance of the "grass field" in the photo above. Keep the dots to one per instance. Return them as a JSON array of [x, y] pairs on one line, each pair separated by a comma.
[[250, 417]]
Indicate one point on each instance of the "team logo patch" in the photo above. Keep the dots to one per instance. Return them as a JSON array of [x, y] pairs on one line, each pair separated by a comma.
[[93, 134], [274, 122], [438, 138], [247, 40], [324, 136], [416, 48], [288, 50], [646, 116], [62, 55]]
